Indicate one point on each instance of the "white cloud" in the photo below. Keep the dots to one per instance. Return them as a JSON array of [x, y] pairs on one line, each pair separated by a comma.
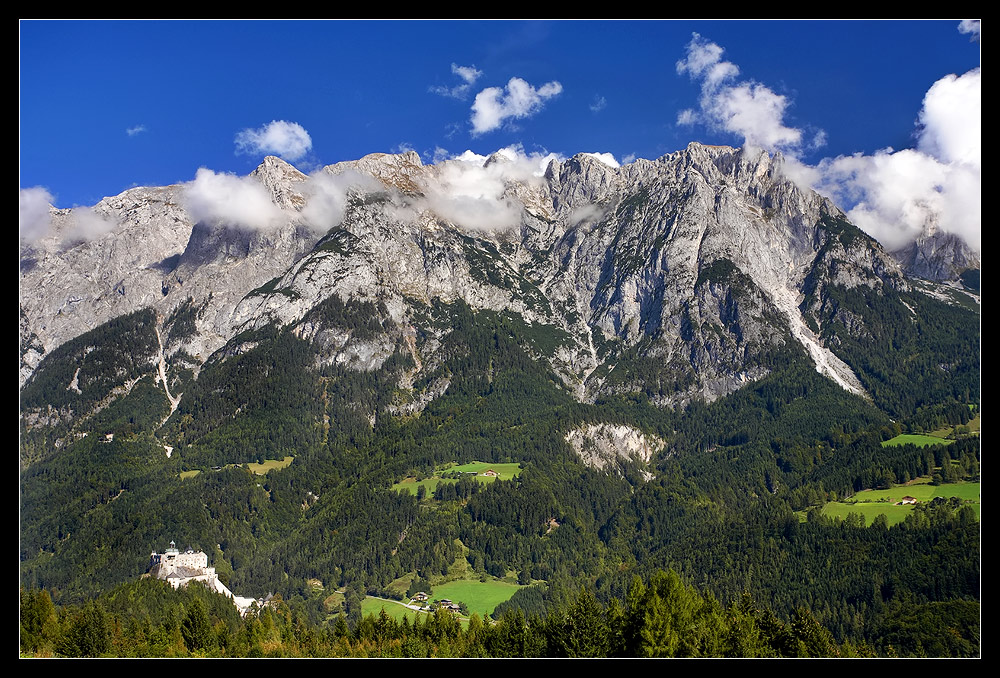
[[471, 190], [468, 74], [687, 117], [439, 155], [35, 222], [279, 137], [897, 195], [517, 100], [33, 217], [138, 129], [479, 192], [523, 166], [805, 176], [592, 213], [951, 119], [229, 199], [326, 197], [628, 158], [748, 109], [88, 225], [469, 156], [754, 112], [971, 26], [600, 103]]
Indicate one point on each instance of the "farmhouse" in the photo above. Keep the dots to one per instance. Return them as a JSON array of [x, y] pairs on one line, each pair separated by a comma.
[[447, 604], [181, 568], [490, 473], [908, 500]]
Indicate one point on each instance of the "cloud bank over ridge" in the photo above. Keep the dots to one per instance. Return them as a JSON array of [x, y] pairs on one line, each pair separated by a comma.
[[895, 196]]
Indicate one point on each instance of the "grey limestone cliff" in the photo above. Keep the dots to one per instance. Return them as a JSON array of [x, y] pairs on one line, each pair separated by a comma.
[[689, 270]]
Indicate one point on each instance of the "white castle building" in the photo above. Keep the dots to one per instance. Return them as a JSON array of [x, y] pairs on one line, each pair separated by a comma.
[[180, 568]]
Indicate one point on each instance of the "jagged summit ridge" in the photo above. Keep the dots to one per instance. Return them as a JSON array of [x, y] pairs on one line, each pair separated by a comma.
[[697, 260]]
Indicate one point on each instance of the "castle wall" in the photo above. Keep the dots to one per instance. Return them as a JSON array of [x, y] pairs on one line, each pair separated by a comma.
[[178, 569], [197, 559]]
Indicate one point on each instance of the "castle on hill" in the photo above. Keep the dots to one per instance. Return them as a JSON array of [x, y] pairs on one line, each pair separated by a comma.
[[181, 568]]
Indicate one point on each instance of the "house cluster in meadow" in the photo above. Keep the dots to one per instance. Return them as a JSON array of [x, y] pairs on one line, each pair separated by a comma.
[[420, 601], [179, 568]]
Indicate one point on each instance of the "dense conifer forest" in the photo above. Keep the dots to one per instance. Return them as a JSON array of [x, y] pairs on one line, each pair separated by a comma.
[[657, 617], [718, 548]]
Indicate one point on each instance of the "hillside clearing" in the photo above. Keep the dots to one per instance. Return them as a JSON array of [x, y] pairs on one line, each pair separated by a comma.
[[268, 465], [872, 503], [480, 597], [503, 471]]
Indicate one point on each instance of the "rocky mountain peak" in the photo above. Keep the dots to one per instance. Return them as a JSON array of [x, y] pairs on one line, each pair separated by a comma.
[[403, 171], [937, 255], [282, 181], [728, 166], [500, 157], [581, 180]]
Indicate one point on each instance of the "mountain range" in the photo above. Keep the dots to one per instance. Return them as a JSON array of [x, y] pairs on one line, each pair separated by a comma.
[[380, 317], [640, 258]]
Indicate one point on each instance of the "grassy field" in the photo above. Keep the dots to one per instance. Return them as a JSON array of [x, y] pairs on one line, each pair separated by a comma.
[[871, 503], [916, 439], [921, 490], [253, 467], [894, 514], [392, 608], [269, 465], [969, 491], [936, 437], [481, 597], [411, 484], [462, 585], [505, 471]]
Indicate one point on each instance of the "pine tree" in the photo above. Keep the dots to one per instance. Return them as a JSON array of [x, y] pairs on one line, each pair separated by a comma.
[[196, 629]]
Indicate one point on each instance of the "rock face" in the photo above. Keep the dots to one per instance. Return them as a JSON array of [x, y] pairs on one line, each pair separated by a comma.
[[603, 446], [684, 277], [938, 256]]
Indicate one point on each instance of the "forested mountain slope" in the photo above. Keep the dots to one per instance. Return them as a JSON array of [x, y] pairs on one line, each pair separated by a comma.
[[701, 300]]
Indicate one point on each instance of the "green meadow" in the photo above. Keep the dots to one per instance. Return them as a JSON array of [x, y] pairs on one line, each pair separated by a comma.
[[411, 484], [872, 503], [392, 608], [894, 514], [504, 471], [260, 469], [480, 597], [269, 465]]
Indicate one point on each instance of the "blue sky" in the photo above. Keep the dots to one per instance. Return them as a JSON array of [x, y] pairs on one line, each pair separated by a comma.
[[109, 105]]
